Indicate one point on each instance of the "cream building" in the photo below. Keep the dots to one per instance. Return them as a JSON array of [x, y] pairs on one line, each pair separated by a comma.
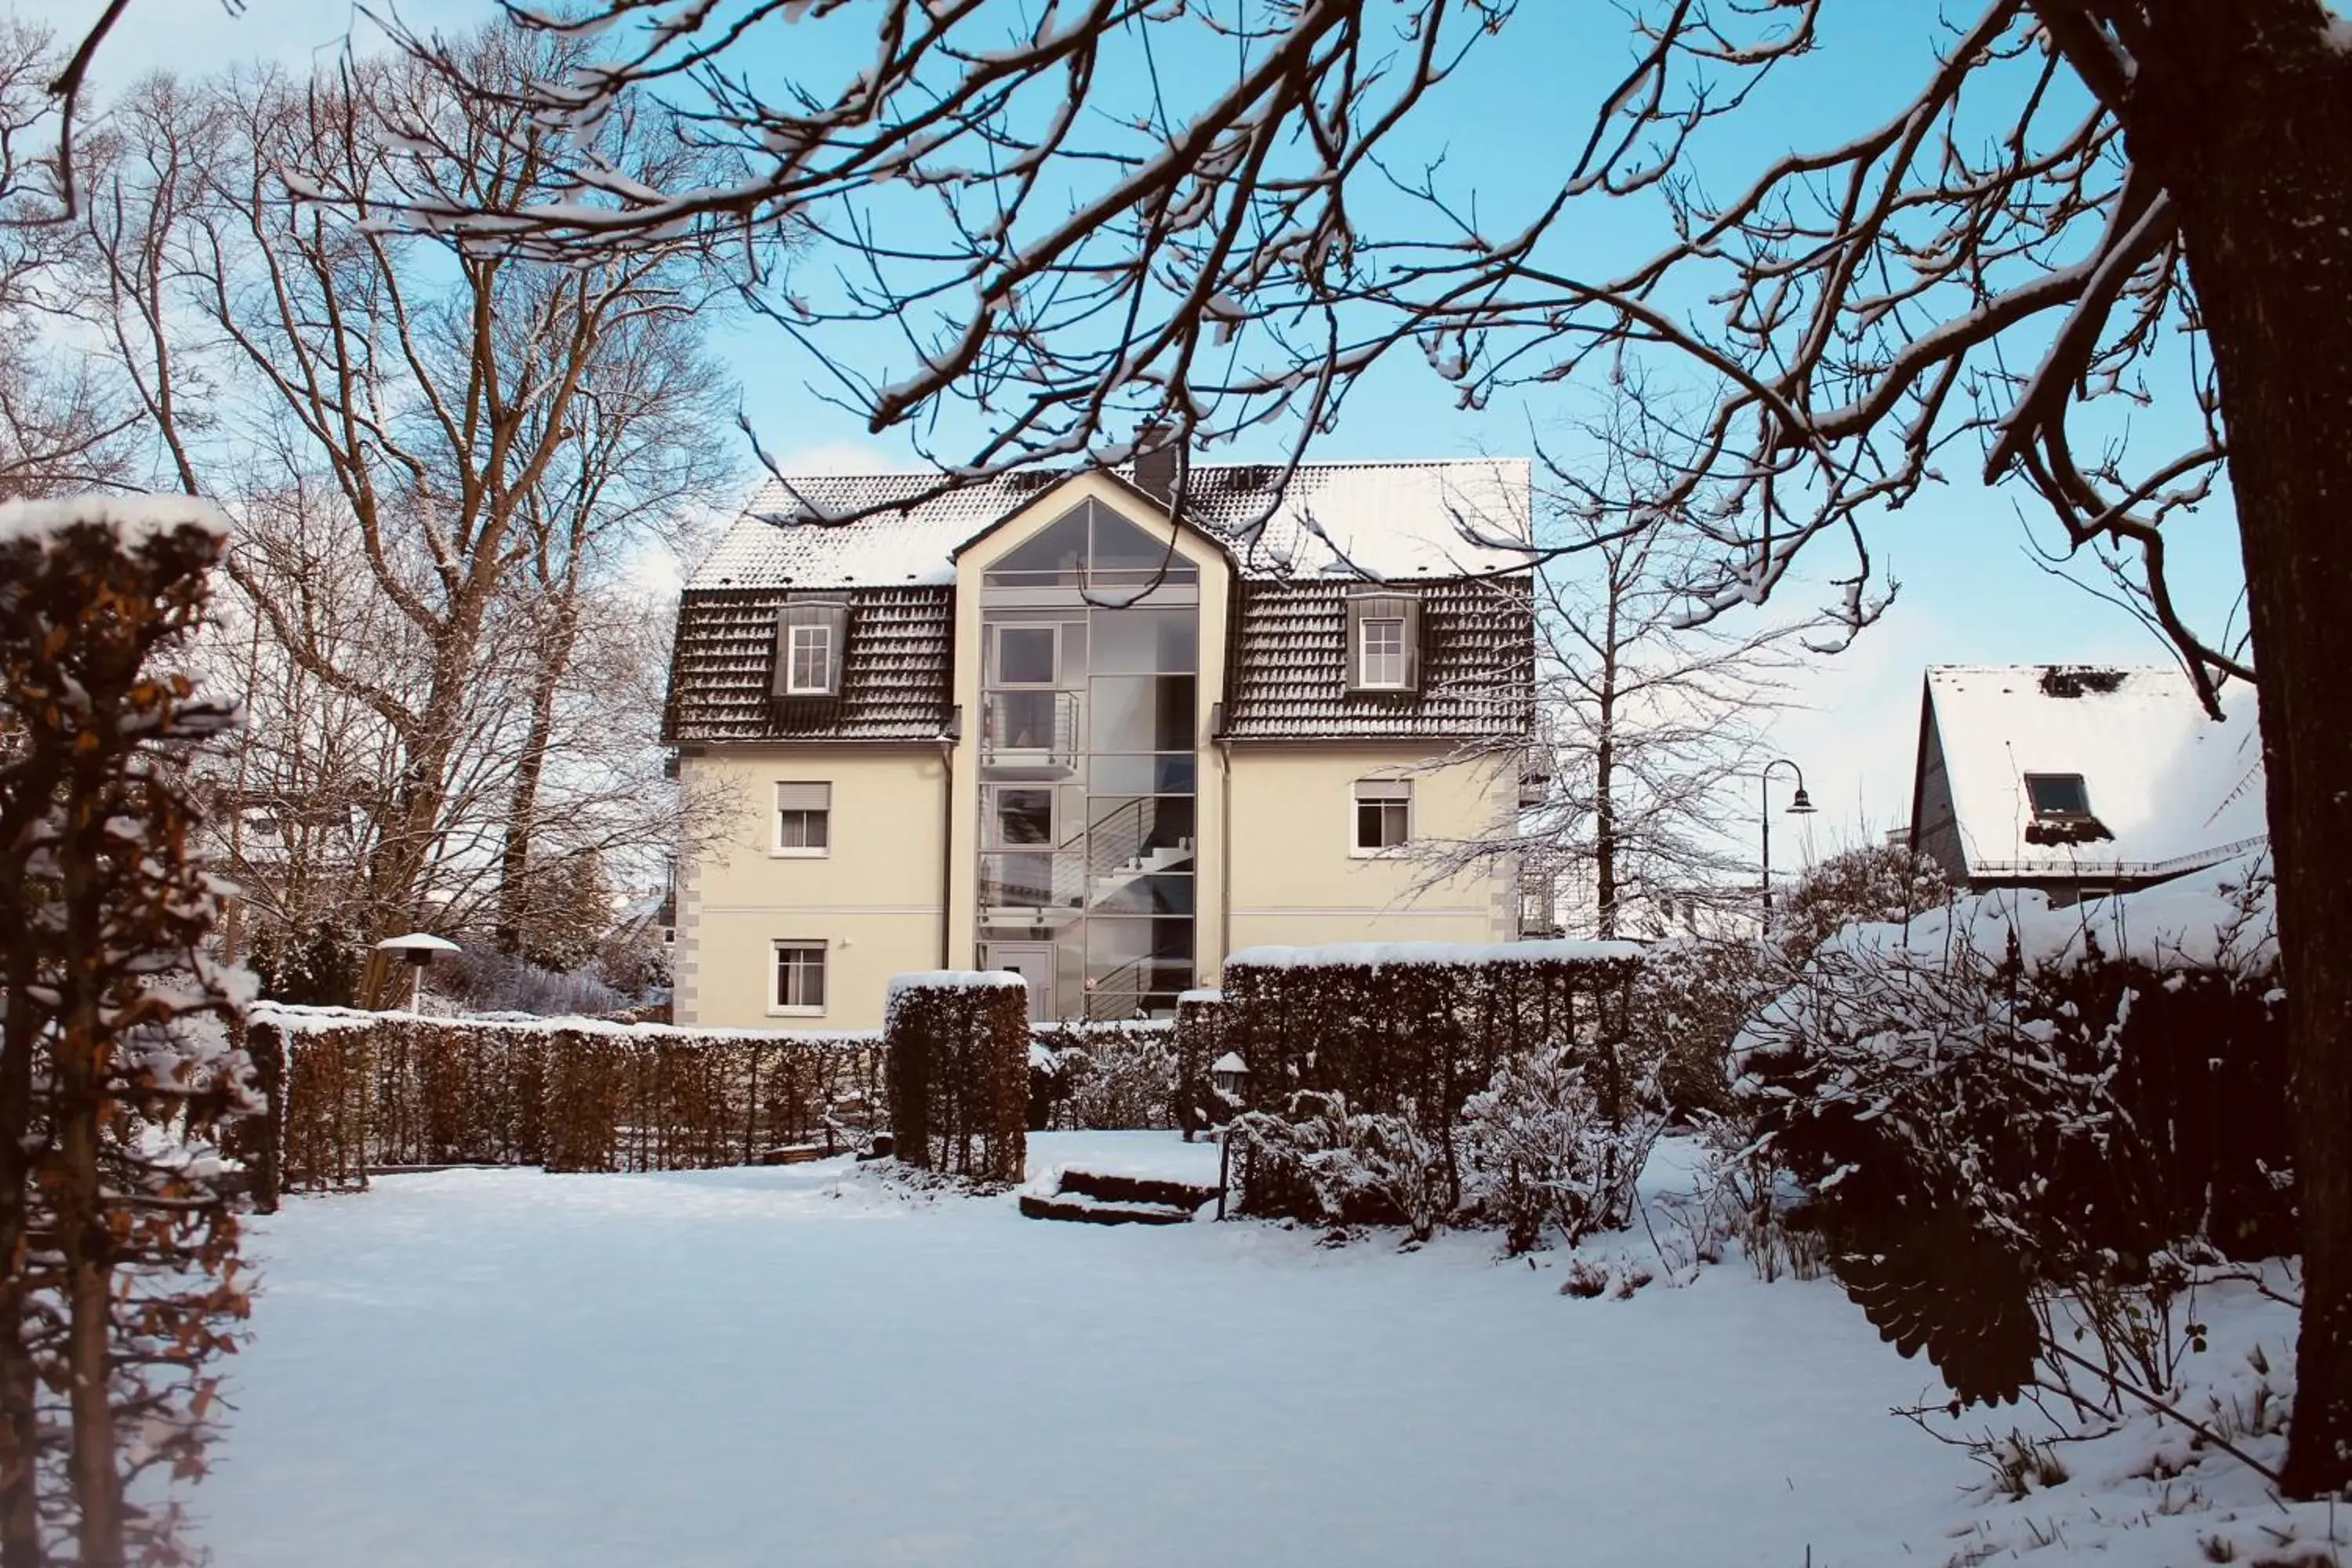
[[1044, 725]]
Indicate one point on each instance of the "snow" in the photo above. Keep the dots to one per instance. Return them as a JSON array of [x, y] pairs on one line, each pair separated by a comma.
[[955, 980], [416, 942], [1390, 519], [2176, 788], [1570, 949], [133, 519], [804, 1364], [315, 1020], [1230, 1062]]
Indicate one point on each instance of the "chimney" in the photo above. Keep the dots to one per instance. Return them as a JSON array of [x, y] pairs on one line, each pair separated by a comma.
[[1155, 460]]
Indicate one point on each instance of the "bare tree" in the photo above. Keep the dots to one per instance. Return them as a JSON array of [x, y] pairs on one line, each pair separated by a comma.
[[59, 426], [478, 442], [2085, 198]]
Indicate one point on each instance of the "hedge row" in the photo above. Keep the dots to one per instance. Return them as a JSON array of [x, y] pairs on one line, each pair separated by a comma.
[[956, 1046], [1412, 1030], [350, 1092]]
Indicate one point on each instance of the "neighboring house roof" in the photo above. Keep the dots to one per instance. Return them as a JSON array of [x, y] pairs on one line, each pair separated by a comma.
[[2172, 788], [1290, 679], [1386, 520]]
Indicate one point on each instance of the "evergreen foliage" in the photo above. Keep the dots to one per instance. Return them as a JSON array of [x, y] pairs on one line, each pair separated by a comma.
[[956, 1065]]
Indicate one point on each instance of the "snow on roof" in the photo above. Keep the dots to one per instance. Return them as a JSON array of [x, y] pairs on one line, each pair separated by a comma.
[[1375, 954], [2176, 789], [1386, 520]]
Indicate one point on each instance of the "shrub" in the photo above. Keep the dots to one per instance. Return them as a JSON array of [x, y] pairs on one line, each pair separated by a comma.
[[1106, 1076], [2003, 1105], [956, 1056], [1543, 1150], [1320, 1160]]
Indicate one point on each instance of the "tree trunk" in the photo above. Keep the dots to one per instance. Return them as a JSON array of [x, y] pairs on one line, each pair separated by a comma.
[[2244, 110], [522, 804], [1604, 761]]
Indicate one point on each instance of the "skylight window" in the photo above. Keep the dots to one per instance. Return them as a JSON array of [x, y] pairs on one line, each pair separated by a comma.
[[2058, 795]]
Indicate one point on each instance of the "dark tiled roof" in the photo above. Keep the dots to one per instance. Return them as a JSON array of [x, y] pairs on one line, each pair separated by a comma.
[[1290, 679], [894, 673]]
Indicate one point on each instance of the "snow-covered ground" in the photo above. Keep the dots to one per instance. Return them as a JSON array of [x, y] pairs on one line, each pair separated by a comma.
[[804, 1365]]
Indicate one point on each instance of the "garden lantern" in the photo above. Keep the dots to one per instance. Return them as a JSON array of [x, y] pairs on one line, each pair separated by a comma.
[[417, 949], [1228, 1073]]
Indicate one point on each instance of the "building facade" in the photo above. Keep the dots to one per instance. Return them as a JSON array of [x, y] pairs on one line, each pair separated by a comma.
[[1043, 725]]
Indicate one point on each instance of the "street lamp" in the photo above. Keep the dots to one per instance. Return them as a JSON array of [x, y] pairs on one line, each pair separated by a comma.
[[1801, 806]]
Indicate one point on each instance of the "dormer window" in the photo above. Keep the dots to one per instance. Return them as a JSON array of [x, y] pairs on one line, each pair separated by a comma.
[[1383, 641], [2058, 796]]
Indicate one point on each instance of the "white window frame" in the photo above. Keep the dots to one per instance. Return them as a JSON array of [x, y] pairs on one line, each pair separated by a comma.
[[1387, 675], [1384, 793], [997, 655], [779, 850], [806, 639], [2034, 807], [778, 1007]]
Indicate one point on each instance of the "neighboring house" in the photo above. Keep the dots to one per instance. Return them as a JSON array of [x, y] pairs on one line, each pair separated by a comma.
[[2081, 781], [1033, 725]]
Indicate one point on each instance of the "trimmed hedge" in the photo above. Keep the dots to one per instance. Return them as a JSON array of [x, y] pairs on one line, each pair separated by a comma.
[[1200, 1040], [350, 1092], [1412, 1030], [956, 1053]]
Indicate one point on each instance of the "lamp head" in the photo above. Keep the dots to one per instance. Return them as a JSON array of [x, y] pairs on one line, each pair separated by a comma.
[[1803, 805]]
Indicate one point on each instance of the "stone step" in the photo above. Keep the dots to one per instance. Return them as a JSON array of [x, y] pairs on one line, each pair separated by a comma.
[[1112, 1187], [1085, 1210]]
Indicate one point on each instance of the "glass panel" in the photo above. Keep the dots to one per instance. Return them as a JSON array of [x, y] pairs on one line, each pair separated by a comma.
[[1030, 880], [1128, 893], [1025, 655], [1173, 775], [1024, 721], [1024, 816], [800, 829], [1146, 642], [1056, 555], [2059, 795], [1126, 553], [1142, 713]]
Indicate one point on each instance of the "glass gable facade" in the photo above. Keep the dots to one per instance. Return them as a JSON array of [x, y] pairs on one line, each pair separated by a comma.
[[1090, 660]]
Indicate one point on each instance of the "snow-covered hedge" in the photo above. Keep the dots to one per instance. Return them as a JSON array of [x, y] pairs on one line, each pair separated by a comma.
[[2001, 1099], [350, 1091], [955, 1064], [1363, 1059]]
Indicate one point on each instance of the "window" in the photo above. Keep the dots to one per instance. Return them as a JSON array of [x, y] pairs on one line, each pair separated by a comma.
[[1383, 653], [1383, 815], [812, 651], [804, 818], [1383, 640], [800, 977], [810, 635], [1025, 655], [2058, 795]]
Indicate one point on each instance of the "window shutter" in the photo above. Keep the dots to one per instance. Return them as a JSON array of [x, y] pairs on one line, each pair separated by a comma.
[[804, 798], [1383, 789], [830, 613], [1383, 605]]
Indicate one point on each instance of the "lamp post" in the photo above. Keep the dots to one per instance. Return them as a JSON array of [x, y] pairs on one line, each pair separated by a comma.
[[1801, 806], [417, 949]]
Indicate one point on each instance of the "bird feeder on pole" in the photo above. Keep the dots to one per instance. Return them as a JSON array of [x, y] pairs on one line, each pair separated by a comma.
[[417, 949]]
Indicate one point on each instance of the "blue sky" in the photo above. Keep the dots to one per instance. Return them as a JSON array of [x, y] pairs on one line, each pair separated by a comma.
[[1972, 593]]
